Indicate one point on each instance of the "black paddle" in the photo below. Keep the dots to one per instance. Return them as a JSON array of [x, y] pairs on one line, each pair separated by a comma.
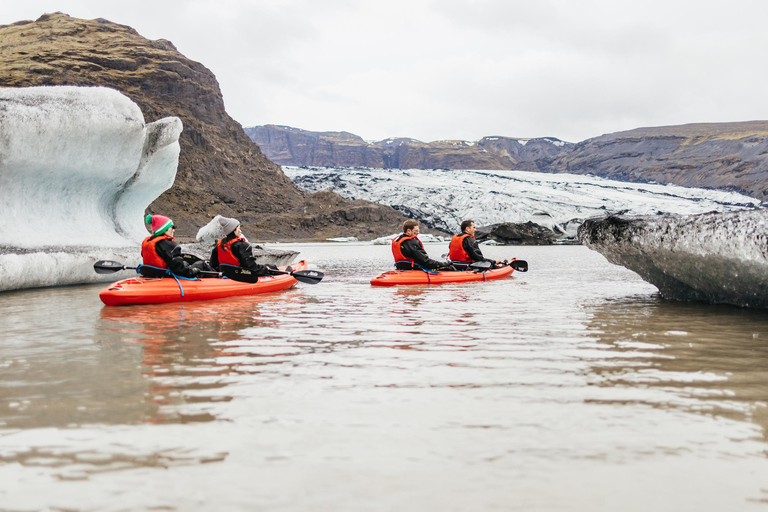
[[249, 276], [110, 267], [518, 265]]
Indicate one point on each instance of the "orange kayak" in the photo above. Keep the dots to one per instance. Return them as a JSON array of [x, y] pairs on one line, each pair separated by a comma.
[[395, 277], [146, 290]]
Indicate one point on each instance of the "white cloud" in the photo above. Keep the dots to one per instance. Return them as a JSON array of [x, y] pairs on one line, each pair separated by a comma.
[[458, 69]]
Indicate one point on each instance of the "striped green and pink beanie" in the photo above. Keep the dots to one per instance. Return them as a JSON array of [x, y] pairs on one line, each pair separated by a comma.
[[159, 224]]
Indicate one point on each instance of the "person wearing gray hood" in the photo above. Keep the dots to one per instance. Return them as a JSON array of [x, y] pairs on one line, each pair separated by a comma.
[[235, 250]]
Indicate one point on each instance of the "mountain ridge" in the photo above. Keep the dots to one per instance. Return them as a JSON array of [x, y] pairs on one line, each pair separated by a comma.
[[728, 156], [292, 146]]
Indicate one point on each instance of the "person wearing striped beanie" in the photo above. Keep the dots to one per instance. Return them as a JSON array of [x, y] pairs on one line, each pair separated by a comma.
[[161, 251]]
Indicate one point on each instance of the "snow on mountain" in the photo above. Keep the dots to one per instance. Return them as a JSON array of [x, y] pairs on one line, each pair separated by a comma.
[[78, 169], [443, 198], [712, 257]]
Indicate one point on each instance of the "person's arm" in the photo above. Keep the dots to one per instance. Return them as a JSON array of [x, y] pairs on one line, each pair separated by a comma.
[[244, 254], [412, 249], [171, 254], [215, 257], [470, 245]]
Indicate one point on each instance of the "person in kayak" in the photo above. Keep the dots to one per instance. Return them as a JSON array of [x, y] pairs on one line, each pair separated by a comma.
[[235, 250], [161, 251], [409, 252], [463, 249]]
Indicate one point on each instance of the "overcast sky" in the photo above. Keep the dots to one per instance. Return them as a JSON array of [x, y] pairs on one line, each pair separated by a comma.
[[458, 69]]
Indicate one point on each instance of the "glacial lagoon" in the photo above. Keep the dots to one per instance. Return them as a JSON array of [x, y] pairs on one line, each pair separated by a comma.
[[571, 387]]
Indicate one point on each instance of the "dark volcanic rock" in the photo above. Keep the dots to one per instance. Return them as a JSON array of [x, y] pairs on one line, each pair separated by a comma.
[[221, 171], [510, 233], [292, 146]]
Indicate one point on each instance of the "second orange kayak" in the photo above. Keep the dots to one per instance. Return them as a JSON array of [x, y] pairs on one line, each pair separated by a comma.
[[396, 277]]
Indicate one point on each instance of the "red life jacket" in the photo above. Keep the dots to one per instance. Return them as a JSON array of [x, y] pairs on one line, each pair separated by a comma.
[[397, 248], [224, 252], [456, 250], [149, 251]]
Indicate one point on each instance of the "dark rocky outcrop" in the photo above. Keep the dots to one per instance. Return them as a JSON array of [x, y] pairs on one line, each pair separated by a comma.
[[292, 146], [510, 233], [221, 171]]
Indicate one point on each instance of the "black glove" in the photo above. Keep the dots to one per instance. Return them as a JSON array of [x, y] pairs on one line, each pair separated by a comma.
[[193, 272], [449, 268]]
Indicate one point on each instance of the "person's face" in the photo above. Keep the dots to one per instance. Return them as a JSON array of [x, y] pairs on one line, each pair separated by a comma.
[[171, 230], [471, 229], [413, 231], [238, 231]]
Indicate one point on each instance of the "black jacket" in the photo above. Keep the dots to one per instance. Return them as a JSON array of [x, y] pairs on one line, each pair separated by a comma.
[[244, 254], [412, 249], [170, 252], [470, 245]]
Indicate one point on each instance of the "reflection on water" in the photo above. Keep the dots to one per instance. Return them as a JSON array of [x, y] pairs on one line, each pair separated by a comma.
[[705, 359], [189, 349], [571, 387]]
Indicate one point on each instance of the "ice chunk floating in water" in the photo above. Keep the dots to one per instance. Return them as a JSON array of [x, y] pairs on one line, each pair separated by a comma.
[[78, 167], [720, 258]]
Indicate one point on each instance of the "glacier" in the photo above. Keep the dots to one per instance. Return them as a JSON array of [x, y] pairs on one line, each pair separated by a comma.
[[442, 198], [720, 258], [78, 168]]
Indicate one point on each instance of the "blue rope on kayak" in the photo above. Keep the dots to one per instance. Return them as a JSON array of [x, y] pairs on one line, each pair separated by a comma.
[[168, 273]]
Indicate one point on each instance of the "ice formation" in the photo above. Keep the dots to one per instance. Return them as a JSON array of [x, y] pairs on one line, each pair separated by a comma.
[[78, 167], [443, 198], [720, 258]]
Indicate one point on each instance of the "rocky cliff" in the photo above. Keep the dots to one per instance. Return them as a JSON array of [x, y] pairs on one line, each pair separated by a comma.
[[730, 156], [221, 171], [292, 146]]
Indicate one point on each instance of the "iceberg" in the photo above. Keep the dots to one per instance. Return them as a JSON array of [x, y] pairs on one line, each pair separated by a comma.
[[78, 167], [720, 258]]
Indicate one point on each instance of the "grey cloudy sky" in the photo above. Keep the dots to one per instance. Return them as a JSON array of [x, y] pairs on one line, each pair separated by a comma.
[[458, 69]]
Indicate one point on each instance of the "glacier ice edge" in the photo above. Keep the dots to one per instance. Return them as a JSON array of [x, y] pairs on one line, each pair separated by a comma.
[[720, 258]]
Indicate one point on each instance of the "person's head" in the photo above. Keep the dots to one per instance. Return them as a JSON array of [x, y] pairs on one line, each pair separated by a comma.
[[160, 224], [411, 227], [468, 227], [230, 226]]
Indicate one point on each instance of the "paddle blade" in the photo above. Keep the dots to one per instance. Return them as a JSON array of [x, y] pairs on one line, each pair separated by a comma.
[[308, 276], [108, 267], [519, 265], [239, 274]]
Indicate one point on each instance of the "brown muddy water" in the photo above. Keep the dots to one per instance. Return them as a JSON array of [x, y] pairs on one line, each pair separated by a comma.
[[571, 387]]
